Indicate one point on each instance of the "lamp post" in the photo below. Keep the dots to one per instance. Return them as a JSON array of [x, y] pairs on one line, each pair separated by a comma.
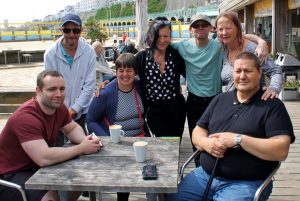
[[108, 6], [141, 21]]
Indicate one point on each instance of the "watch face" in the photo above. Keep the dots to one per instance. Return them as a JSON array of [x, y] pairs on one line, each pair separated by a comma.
[[238, 139]]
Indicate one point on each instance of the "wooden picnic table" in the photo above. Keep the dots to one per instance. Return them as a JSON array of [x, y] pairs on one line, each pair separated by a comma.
[[113, 169]]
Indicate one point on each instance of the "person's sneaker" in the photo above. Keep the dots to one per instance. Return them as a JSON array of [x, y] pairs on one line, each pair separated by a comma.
[[85, 194]]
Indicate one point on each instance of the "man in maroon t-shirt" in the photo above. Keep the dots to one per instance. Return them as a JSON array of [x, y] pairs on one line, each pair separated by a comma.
[[27, 141]]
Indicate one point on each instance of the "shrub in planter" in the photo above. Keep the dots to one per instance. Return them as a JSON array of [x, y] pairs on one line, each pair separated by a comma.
[[291, 84], [290, 90]]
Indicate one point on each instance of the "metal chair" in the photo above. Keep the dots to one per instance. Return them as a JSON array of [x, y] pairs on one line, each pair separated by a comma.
[[109, 54], [15, 186], [86, 130], [258, 191]]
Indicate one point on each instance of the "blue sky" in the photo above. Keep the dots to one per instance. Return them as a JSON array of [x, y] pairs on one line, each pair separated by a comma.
[[27, 10]]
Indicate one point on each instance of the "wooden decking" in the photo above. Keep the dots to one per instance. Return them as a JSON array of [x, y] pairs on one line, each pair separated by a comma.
[[287, 180]]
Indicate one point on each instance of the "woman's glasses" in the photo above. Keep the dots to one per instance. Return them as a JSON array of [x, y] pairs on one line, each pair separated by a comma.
[[75, 31], [166, 22]]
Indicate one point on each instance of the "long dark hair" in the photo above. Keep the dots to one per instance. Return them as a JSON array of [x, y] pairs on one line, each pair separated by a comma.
[[155, 26]]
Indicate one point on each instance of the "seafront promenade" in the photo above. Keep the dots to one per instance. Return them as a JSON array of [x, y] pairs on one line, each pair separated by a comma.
[[22, 77]]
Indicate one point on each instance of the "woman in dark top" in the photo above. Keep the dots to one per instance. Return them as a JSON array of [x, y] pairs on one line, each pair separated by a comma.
[[159, 69]]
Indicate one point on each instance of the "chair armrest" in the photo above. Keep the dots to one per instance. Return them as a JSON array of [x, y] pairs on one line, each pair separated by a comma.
[[13, 185], [192, 157], [265, 183], [86, 130]]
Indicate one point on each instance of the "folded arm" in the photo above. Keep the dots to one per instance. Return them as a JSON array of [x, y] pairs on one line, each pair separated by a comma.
[[272, 149], [210, 145], [262, 50], [43, 155]]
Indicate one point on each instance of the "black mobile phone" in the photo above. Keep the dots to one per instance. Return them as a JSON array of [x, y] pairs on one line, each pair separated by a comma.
[[149, 172]]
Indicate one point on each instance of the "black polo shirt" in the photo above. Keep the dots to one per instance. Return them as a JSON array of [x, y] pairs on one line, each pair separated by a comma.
[[256, 118]]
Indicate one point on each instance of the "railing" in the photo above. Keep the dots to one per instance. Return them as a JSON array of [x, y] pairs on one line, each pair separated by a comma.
[[114, 25]]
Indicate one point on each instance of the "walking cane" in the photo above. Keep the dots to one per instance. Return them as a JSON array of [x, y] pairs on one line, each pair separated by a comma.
[[210, 180]]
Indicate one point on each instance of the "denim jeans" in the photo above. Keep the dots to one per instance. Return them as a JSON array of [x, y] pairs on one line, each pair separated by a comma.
[[193, 186], [106, 76]]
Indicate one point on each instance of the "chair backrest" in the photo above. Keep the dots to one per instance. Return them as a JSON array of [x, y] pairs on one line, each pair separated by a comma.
[[258, 191], [15, 186], [265, 183], [109, 54]]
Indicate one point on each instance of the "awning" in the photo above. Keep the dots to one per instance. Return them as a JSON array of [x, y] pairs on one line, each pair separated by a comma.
[[234, 5]]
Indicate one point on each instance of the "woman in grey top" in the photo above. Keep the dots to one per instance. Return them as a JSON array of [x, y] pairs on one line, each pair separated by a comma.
[[230, 34]]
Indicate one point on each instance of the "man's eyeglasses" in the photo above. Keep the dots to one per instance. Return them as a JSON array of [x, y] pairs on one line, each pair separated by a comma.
[[200, 25], [75, 31]]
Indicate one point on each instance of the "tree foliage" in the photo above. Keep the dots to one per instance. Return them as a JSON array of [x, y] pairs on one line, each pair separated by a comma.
[[128, 9], [93, 30]]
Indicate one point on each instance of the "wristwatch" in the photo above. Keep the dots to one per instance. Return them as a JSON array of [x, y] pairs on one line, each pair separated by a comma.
[[238, 139]]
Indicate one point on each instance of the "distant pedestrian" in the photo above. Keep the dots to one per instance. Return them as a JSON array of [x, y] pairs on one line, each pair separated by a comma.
[[124, 36], [259, 29], [103, 70], [115, 39], [130, 47]]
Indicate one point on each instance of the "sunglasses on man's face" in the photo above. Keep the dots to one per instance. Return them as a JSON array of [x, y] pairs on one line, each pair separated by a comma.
[[75, 31], [200, 25]]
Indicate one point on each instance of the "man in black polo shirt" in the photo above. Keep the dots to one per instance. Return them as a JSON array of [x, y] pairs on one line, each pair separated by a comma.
[[262, 130]]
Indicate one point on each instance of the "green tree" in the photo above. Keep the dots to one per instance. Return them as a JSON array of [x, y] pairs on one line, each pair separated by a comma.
[[93, 30], [128, 9]]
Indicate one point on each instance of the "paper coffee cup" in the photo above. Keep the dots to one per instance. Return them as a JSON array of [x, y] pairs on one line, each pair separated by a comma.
[[140, 151]]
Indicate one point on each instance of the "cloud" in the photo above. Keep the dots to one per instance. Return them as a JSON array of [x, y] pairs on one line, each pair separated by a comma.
[[27, 10]]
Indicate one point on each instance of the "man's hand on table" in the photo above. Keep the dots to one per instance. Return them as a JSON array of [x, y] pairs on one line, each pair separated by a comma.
[[90, 145]]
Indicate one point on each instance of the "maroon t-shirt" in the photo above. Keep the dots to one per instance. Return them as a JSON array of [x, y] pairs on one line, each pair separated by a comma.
[[28, 123]]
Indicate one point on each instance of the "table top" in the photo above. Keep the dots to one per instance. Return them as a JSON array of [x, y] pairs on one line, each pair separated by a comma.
[[10, 50], [114, 169]]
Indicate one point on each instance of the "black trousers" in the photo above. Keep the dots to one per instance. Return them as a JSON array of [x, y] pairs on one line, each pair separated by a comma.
[[195, 108], [12, 194], [167, 118]]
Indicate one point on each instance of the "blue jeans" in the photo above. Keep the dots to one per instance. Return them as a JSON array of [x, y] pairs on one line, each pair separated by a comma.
[[106, 76], [193, 186]]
